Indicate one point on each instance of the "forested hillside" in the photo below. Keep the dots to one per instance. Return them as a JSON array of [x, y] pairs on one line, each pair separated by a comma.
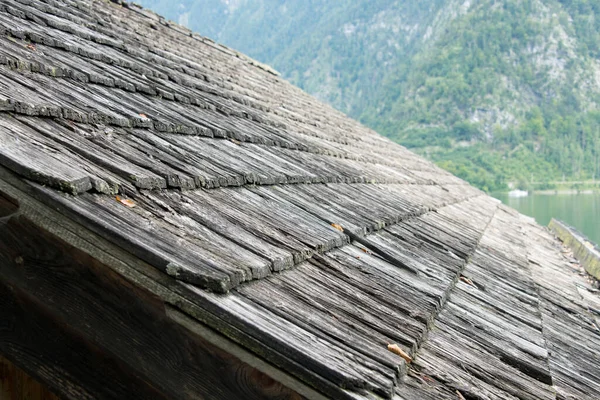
[[495, 91]]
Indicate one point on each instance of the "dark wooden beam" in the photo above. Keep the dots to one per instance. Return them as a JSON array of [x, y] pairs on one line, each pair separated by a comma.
[[16, 384], [109, 336], [44, 347]]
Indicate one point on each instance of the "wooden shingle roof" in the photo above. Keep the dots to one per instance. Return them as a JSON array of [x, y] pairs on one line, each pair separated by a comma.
[[303, 237]]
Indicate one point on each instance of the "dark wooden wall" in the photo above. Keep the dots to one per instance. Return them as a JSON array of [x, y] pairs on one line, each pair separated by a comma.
[[15, 384]]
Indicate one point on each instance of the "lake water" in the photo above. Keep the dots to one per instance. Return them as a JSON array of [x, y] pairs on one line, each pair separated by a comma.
[[579, 210]]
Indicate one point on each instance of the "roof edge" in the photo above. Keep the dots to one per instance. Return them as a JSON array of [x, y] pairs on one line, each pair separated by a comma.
[[205, 40]]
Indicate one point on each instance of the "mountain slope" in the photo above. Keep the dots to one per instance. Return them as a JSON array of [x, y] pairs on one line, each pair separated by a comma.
[[494, 91]]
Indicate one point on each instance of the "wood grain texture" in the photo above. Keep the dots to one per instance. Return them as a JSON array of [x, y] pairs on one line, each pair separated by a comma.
[[224, 335], [69, 365], [112, 117], [220, 238], [353, 299], [16, 384]]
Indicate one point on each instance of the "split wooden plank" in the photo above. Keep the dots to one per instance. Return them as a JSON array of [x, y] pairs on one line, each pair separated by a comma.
[[435, 232], [116, 142], [283, 216], [222, 156], [242, 215], [432, 294], [500, 336], [50, 167], [500, 350], [572, 344], [188, 156], [421, 386], [203, 244], [386, 289], [473, 382], [38, 95], [294, 171], [127, 109], [327, 214], [439, 266], [138, 107], [447, 346], [344, 205], [502, 292], [359, 208], [571, 336], [190, 66]]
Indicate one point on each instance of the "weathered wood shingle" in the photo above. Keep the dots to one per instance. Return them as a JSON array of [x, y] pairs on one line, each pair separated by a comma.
[[307, 239]]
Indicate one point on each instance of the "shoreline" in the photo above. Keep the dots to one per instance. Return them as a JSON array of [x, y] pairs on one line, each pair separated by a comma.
[[555, 192], [565, 191]]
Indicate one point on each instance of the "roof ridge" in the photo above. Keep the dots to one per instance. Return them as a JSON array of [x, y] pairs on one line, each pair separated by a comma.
[[347, 260], [525, 356], [458, 277]]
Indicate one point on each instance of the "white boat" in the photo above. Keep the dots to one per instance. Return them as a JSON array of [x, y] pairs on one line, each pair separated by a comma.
[[518, 193]]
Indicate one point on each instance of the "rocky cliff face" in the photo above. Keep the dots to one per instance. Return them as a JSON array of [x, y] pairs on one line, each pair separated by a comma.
[[493, 90]]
